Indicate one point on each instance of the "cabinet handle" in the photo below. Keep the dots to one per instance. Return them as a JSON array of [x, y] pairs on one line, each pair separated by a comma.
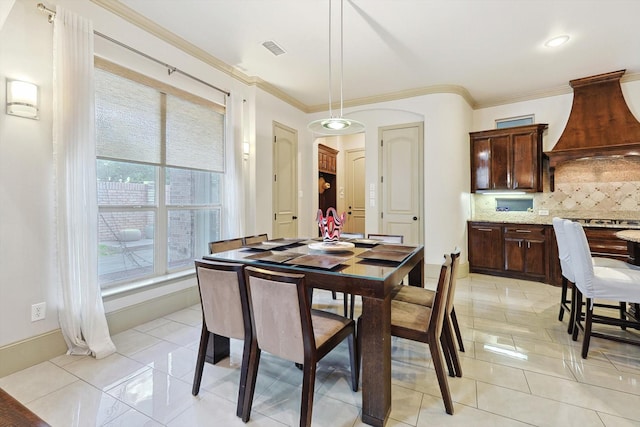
[[484, 229], [519, 243], [523, 231], [528, 245]]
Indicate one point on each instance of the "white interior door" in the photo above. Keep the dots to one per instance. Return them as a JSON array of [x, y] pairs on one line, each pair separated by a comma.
[[401, 181], [285, 181], [355, 191]]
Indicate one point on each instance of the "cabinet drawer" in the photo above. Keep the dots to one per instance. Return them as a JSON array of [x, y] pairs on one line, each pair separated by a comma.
[[525, 231]]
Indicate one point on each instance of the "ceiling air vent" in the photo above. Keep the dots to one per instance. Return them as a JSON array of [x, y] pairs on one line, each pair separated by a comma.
[[273, 47]]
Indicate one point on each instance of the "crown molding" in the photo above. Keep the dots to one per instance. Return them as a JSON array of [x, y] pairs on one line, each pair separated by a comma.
[[133, 17], [394, 96]]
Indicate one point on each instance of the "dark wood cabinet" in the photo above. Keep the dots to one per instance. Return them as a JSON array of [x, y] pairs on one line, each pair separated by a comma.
[[507, 159], [525, 250], [327, 159], [530, 251], [485, 247]]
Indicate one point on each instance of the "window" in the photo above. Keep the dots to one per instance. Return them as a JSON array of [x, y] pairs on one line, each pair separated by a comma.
[[152, 137]]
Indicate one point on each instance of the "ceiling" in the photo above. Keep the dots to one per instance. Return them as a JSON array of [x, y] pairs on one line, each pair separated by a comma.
[[492, 51]]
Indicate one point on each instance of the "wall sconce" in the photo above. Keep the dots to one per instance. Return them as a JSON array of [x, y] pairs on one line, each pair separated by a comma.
[[22, 99]]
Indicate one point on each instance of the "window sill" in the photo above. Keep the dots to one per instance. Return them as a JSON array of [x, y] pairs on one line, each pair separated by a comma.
[[130, 288]]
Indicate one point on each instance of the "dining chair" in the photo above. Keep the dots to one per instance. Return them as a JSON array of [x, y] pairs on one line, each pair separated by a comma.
[[249, 240], [425, 324], [225, 245], [351, 235], [596, 282], [451, 329], [387, 238], [568, 276], [285, 325], [225, 314]]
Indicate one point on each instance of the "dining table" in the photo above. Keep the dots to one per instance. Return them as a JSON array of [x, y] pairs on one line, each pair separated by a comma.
[[359, 267]]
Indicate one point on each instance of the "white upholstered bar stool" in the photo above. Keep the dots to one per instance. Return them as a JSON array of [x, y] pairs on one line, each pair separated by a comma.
[[595, 282]]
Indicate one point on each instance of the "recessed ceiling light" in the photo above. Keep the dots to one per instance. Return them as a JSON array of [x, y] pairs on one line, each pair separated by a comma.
[[557, 41]]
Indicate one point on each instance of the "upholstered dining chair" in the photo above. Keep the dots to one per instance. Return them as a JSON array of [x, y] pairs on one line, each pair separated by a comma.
[[225, 245], [351, 235], [568, 276], [225, 314], [451, 329], [425, 324], [250, 240], [596, 282], [387, 238], [285, 325]]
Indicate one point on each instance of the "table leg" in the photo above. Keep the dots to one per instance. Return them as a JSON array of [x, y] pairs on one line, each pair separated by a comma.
[[376, 360], [416, 275], [218, 348]]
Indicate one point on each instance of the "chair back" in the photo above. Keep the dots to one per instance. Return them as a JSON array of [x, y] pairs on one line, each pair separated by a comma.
[[223, 296], [250, 240], [440, 299], [455, 261], [281, 313], [387, 238], [225, 245], [563, 249], [351, 235], [580, 257]]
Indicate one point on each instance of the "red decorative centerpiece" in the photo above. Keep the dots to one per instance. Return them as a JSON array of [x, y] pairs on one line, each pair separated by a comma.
[[331, 224]]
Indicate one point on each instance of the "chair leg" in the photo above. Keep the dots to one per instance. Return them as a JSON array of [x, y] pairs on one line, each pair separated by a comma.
[[252, 374], [623, 314], [453, 351], [353, 305], [244, 373], [333, 294], [587, 327], [456, 328], [202, 353], [345, 303], [572, 314], [436, 358], [354, 358], [446, 349], [577, 316], [563, 298], [308, 381]]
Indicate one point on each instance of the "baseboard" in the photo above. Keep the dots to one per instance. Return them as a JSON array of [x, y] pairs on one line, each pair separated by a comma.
[[137, 314], [433, 270], [23, 354]]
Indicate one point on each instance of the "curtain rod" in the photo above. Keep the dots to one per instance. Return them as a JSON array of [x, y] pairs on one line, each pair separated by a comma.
[[170, 69]]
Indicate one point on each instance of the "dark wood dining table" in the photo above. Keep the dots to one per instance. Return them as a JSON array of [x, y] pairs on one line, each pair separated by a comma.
[[370, 278]]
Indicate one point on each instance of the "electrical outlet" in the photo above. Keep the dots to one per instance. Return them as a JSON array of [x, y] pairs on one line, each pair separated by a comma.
[[543, 212], [38, 311]]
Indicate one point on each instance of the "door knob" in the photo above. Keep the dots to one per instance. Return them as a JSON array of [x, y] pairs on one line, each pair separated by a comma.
[[349, 213], [294, 217], [415, 218]]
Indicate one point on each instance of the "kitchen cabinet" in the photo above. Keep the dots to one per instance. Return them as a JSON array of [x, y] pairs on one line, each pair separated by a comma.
[[327, 159], [525, 250], [530, 251], [507, 159], [485, 247]]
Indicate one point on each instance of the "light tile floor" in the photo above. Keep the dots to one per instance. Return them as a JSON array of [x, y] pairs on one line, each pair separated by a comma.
[[520, 368]]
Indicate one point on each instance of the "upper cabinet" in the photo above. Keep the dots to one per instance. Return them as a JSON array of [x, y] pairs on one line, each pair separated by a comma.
[[507, 159], [327, 159]]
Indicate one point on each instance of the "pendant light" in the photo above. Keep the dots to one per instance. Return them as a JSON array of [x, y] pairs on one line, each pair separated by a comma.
[[336, 125]]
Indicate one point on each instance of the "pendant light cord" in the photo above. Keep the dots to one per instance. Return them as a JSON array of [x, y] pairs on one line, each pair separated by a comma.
[[341, 52], [330, 80]]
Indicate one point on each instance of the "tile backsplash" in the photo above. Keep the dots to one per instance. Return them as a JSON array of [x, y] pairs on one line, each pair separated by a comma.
[[604, 188]]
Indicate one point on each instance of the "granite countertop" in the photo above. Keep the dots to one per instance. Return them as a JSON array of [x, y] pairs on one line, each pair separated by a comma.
[[629, 235], [548, 220]]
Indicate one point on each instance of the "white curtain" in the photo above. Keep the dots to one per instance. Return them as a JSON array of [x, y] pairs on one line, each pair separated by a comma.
[[233, 190], [82, 317]]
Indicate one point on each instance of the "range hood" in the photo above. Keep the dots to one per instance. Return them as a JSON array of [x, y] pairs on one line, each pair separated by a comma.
[[600, 123]]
